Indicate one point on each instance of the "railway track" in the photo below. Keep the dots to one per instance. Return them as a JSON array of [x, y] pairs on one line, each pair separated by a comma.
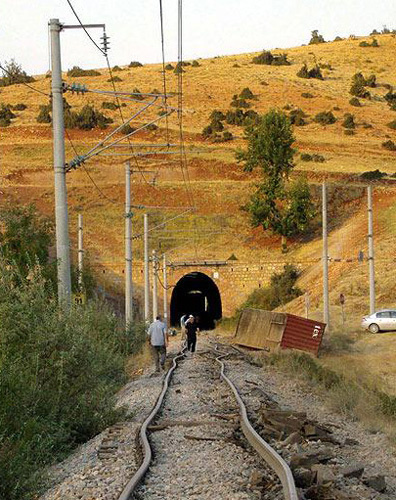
[[198, 442]]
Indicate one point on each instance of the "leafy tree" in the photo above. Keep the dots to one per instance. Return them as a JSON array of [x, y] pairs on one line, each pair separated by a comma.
[[14, 74], [316, 38], [286, 210]]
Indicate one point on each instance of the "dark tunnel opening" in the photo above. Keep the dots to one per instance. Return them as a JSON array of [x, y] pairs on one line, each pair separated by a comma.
[[196, 294]]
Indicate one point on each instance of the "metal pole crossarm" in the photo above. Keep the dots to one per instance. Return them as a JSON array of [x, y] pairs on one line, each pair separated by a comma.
[[148, 153], [82, 26], [142, 145]]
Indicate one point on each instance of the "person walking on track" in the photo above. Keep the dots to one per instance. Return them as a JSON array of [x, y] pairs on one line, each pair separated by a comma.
[[158, 338], [191, 330]]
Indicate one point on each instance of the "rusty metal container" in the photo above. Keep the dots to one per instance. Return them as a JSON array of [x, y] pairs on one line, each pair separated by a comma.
[[272, 331]]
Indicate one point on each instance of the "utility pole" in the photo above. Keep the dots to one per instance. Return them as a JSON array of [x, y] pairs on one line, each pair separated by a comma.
[[128, 247], [371, 248], [155, 297], [146, 272], [165, 283], [325, 258], [80, 252], [61, 216]]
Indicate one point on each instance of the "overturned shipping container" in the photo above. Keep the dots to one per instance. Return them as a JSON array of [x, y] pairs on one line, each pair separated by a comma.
[[271, 331]]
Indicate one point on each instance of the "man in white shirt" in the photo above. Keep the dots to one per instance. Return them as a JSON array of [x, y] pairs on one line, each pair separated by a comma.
[[158, 338]]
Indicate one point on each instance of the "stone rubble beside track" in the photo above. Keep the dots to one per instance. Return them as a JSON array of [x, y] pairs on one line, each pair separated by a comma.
[[338, 460], [207, 456]]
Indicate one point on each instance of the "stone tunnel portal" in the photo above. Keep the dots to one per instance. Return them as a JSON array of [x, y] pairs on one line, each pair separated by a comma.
[[197, 294]]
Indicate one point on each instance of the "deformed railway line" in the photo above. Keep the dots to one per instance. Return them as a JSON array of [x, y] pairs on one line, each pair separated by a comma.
[[223, 457]]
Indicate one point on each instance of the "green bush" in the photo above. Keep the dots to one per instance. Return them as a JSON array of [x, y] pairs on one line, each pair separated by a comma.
[[109, 105], [14, 74], [355, 102], [135, 64], [246, 94], [59, 372], [152, 127], [307, 95], [179, 69], [349, 132], [114, 79], [389, 145], [117, 68], [6, 115], [44, 115], [282, 290], [19, 107], [373, 175], [127, 129], [314, 72], [371, 81], [264, 58], [349, 121], [169, 67], [364, 44], [314, 157], [325, 118], [195, 64], [375, 43], [297, 117], [316, 38], [87, 119], [237, 102], [392, 124], [217, 115], [76, 71], [207, 132]]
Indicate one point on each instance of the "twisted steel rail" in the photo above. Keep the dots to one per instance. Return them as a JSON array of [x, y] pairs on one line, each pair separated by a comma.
[[266, 452]]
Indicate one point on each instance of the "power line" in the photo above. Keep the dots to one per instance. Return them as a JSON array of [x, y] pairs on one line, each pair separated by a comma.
[[163, 67], [83, 27]]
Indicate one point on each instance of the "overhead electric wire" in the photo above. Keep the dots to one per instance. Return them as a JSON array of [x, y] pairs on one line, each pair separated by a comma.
[[163, 66], [84, 28], [86, 170]]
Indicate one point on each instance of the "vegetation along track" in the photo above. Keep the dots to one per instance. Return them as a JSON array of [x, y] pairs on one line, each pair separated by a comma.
[[200, 435]]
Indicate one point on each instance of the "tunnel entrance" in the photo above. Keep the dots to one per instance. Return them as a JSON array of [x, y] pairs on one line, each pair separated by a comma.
[[196, 294]]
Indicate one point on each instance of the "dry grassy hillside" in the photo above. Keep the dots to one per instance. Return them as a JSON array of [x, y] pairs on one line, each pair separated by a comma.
[[218, 185]]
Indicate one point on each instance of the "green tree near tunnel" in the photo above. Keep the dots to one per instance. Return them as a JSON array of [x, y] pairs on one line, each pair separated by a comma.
[[277, 204]]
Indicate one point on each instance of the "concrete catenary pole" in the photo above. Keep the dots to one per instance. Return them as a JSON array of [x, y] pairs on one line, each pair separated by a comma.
[[146, 271], [325, 258], [165, 283], [61, 216], [128, 247], [155, 296], [371, 248], [80, 251]]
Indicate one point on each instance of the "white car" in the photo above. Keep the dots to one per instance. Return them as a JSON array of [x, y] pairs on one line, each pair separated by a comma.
[[384, 320]]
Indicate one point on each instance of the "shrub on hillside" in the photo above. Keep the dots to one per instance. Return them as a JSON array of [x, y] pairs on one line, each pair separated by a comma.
[[282, 290], [195, 64], [169, 67], [325, 118], [6, 115], [44, 115], [392, 124], [314, 157], [239, 103], [19, 107], [109, 105], [314, 72], [217, 115], [179, 68], [246, 94], [13, 74], [316, 38], [117, 68], [349, 121], [135, 64], [76, 71], [137, 94], [152, 127], [267, 58], [349, 132], [87, 119], [373, 175], [371, 81], [389, 145], [297, 117], [364, 44], [114, 79], [127, 129], [307, 95], [355, 102]]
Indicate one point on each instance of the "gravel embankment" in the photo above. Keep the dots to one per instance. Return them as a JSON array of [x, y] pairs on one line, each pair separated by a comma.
[[205, 457], [353, 446]]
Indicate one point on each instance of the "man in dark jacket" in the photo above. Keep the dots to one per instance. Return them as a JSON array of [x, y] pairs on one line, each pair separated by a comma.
[[192, 330]]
